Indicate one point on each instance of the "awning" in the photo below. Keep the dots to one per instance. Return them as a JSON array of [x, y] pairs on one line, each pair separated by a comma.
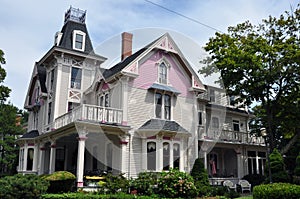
[[164, 88]]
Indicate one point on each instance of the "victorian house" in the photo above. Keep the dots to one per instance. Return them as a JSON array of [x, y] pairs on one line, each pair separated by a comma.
[[149, 112]]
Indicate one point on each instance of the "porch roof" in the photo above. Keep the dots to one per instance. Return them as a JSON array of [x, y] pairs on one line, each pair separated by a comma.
[[163, 126], [164, 88], [30, 134]]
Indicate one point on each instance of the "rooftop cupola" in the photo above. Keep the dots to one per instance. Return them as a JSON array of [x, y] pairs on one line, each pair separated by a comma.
[[75, 14]]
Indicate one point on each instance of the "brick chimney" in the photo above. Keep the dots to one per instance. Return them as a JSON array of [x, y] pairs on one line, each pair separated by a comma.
[[126, 45]]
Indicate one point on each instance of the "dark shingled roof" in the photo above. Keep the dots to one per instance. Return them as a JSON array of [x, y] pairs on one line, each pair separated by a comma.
[[31, 134], [163, 125], [42, 78], [164, 88], [121, 65], [66, 40]]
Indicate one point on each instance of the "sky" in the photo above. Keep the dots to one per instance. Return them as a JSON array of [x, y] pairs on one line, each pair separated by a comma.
[[27, 28]]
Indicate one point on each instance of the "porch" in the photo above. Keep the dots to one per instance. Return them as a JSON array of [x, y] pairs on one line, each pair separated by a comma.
[[105, 115]]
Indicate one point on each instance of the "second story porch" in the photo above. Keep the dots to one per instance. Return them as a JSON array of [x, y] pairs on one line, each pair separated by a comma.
[[87, 112], [228, 136]]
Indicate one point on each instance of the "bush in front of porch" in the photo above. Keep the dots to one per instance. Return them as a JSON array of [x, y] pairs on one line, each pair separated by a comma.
[[60, 181], [276, 191]]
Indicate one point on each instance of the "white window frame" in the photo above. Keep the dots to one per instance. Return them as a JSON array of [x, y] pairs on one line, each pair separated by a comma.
[[236, 121], [83, 34], [167, 65], [162, 109], [75, 85]]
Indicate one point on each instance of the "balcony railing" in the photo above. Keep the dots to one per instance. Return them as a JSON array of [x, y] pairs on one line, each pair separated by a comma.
[[228, 136], [88, 112]]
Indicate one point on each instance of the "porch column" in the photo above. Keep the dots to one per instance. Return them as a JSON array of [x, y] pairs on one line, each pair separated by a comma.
[[144, 153], [240, 165], [52, 157], [171, 155], [35, 158], [159, 153], [205, 159], [182, 156], [41, 160], [125, 100], [123, 146], [25, 157], [80, 159]]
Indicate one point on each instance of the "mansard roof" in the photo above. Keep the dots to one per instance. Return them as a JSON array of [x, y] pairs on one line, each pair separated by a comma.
[[66, 40]]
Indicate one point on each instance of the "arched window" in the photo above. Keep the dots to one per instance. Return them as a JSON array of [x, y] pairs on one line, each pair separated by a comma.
[[163, 74], [176, 155], [166, 156], [151, 156]]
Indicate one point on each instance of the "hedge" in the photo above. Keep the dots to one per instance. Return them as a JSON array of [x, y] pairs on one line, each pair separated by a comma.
[[276, 191]]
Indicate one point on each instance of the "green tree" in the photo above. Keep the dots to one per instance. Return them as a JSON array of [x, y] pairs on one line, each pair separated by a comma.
[[10, 129], [261, 64], [4, 91], [200, 176], [278, 171]]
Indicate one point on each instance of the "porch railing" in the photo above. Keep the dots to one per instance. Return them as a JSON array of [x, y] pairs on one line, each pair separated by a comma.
[[88, 112], [228, 136]]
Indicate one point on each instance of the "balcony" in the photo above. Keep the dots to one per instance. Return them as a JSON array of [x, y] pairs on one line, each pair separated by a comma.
[[89, 113], [218, 135]]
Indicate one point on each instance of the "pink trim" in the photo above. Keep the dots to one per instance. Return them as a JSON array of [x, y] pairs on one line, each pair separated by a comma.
[[166, 138], [124, 123], [79, 184], [123, 142], [152, 137], [53, 146], [81, 138], [30, 144], [42, 148]]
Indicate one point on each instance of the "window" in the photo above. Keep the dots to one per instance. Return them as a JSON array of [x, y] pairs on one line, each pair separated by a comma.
[[109, 158], [76, 75], [166, 156], [167, 107], [21, 160], [151, 156], [72, 105], [256, 162], [104, 100], [215, 122], [163, 106], [158, 105], [163, 73], [60, 159], [176, 156], [231, 100], [49, 112], [78, 40], [29, 159], [200, 118], [236, 125], [51, 79], [212, 96]]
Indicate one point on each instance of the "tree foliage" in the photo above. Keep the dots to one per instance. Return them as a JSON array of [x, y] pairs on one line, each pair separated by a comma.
[[4, 90], [10, 129], [261, 64], [278, 170]]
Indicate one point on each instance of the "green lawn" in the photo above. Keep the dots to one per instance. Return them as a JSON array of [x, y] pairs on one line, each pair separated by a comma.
[[246, 197]]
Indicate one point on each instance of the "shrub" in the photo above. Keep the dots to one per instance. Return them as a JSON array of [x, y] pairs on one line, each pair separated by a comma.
[[145, 183], [276, 191], [200, 177], [176, 184], [254, 179], [60, 181], [115, 184], [279, 174], [22, 186], [297, 168]]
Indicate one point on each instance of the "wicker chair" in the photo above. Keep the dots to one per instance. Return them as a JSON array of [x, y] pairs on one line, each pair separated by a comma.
[[245, 186], [229, 184]]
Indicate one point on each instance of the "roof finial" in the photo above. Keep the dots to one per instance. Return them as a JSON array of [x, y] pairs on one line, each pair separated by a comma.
[[74, 14]]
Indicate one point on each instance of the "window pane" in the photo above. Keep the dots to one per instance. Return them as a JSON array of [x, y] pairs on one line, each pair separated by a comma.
[[199, 118], [151, 156], [162, 73], [78, 41], [158, 104], [176, 156], [166, 154], [215, 122], [167, 107], [29, 159], [76, 78]]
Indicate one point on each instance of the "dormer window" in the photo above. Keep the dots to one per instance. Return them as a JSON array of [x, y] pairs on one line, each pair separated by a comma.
[[163, 73], [78, 40]]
